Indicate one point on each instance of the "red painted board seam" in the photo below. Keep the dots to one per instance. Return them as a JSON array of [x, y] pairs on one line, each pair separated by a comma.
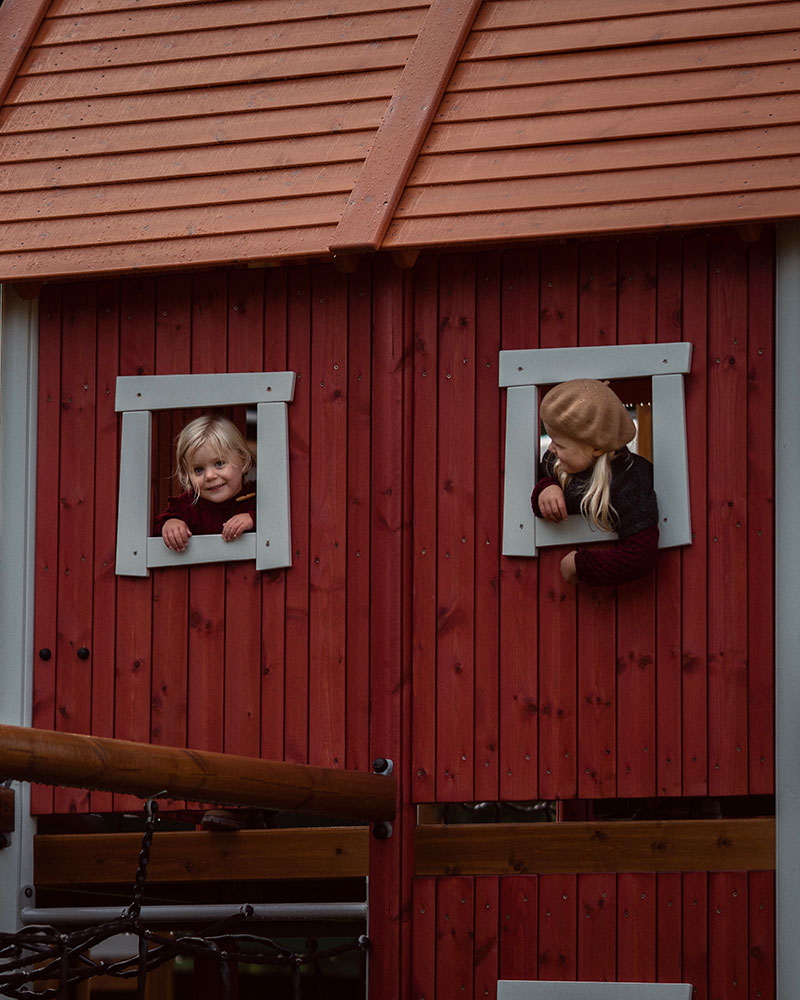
[[19, 22], [397, 143]]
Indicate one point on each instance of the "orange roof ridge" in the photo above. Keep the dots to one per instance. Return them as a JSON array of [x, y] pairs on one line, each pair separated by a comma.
[[19, 22], [370, 207]]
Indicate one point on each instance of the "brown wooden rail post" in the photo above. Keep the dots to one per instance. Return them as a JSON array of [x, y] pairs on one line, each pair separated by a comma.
[[146, 770]]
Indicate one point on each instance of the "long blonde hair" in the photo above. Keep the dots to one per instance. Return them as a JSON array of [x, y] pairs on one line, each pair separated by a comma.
[[213, 430], [596, 504]]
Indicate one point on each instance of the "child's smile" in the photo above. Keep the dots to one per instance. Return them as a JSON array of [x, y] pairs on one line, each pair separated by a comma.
[[215, 477]]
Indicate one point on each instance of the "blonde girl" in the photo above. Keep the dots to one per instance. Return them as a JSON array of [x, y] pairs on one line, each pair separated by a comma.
[[588, 470], [212, 461]]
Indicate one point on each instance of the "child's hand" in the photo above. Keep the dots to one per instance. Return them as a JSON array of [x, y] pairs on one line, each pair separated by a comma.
[[552, 505], [236, 526], [176, 534], [568, 570]]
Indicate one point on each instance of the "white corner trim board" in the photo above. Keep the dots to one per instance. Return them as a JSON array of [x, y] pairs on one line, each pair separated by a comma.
[[517, 989], [524, 372], [137, 397]]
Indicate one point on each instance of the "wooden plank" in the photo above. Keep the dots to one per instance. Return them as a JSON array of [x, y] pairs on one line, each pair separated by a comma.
[[518, 694], [105, 523], [206, 679], [7, 800], [426, 547], [243, 644], [558, 668], [47, 510], [487, 928], [727, 934], [423, 938], [132, 690], [666, 26], [694, 664], [636, 601], [760, 534], [597, 928], [156, 48], [597, 625], [454, 936], [170, 135], [170, 587], [296, 626], [76, 522], [727, 518], [487, 530], [519, 927], [598, 157], [636, 928], [109, 859], [635, 846], [359, 449], [179, 391], [695, 932], [669, 928], [351, 57], [761, 933], [157, 166], [283, 10], [328, 519], [499, 99], [274, 617], [557, 952], [669, 315], [455, 675]]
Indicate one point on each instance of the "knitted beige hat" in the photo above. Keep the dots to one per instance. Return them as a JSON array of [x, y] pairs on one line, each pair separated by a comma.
[[588, 411]]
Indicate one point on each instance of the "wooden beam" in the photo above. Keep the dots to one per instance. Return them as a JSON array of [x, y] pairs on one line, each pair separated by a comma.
[[147, 770], [6, 810], [575, 848], [111, 858]]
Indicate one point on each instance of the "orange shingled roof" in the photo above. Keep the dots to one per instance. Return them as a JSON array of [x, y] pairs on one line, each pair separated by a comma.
[[183, 133]]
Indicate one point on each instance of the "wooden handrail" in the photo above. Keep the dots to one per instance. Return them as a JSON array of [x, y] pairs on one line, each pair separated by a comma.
[[198, 775]]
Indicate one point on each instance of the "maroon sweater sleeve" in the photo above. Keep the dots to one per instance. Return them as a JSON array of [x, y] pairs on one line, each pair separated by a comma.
[[631, 558], [537, 489]]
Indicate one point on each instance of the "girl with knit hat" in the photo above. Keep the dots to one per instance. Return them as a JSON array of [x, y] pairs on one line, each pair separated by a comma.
[[588, 470]]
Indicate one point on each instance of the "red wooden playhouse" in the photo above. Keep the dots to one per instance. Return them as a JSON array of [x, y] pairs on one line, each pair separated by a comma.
[[371, 232]]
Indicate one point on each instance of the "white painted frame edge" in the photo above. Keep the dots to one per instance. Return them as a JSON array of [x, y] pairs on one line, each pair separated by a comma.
[[518, 989], [176, 392], [523, 532], [270, 544], [546, 366]]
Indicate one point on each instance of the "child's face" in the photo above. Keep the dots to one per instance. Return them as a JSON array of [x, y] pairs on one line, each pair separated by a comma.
[[574, 455], [215, 477]]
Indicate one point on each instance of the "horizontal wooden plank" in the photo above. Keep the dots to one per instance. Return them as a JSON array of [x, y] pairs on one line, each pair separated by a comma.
[[601, 33], [621, 92], [189, 252], [176, 224], [185, 133], [562, 67], [574, 848], [145, 167], [110, 859], [197, 103], [176, 392], [673, 119], [227, 38], [187, 192], [597, 157], [630, 217], [283, 9], [217, 71], [548, 365], [673, 181]]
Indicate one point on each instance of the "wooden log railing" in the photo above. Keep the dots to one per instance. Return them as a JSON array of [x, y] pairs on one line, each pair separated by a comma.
[[145, 770]]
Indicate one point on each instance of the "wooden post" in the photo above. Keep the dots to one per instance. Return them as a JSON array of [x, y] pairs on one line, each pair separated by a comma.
[[145, 770]]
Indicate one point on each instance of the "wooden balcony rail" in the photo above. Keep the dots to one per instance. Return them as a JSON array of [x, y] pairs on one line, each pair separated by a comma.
[[143, 769]]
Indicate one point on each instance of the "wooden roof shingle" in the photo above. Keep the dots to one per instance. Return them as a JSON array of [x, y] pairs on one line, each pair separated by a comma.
[[151, 134]]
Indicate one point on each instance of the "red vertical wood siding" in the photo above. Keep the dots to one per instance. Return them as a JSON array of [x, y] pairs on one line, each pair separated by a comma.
[[400, 630]]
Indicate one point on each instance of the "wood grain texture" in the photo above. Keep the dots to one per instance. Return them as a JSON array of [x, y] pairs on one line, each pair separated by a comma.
[[636, 846]]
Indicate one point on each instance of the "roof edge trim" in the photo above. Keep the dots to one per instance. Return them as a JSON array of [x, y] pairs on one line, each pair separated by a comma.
[[19, 22], [394, 151]]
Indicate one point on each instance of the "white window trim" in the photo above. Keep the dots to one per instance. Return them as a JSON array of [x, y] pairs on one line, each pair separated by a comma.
[[136, 398], [523, 372]]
